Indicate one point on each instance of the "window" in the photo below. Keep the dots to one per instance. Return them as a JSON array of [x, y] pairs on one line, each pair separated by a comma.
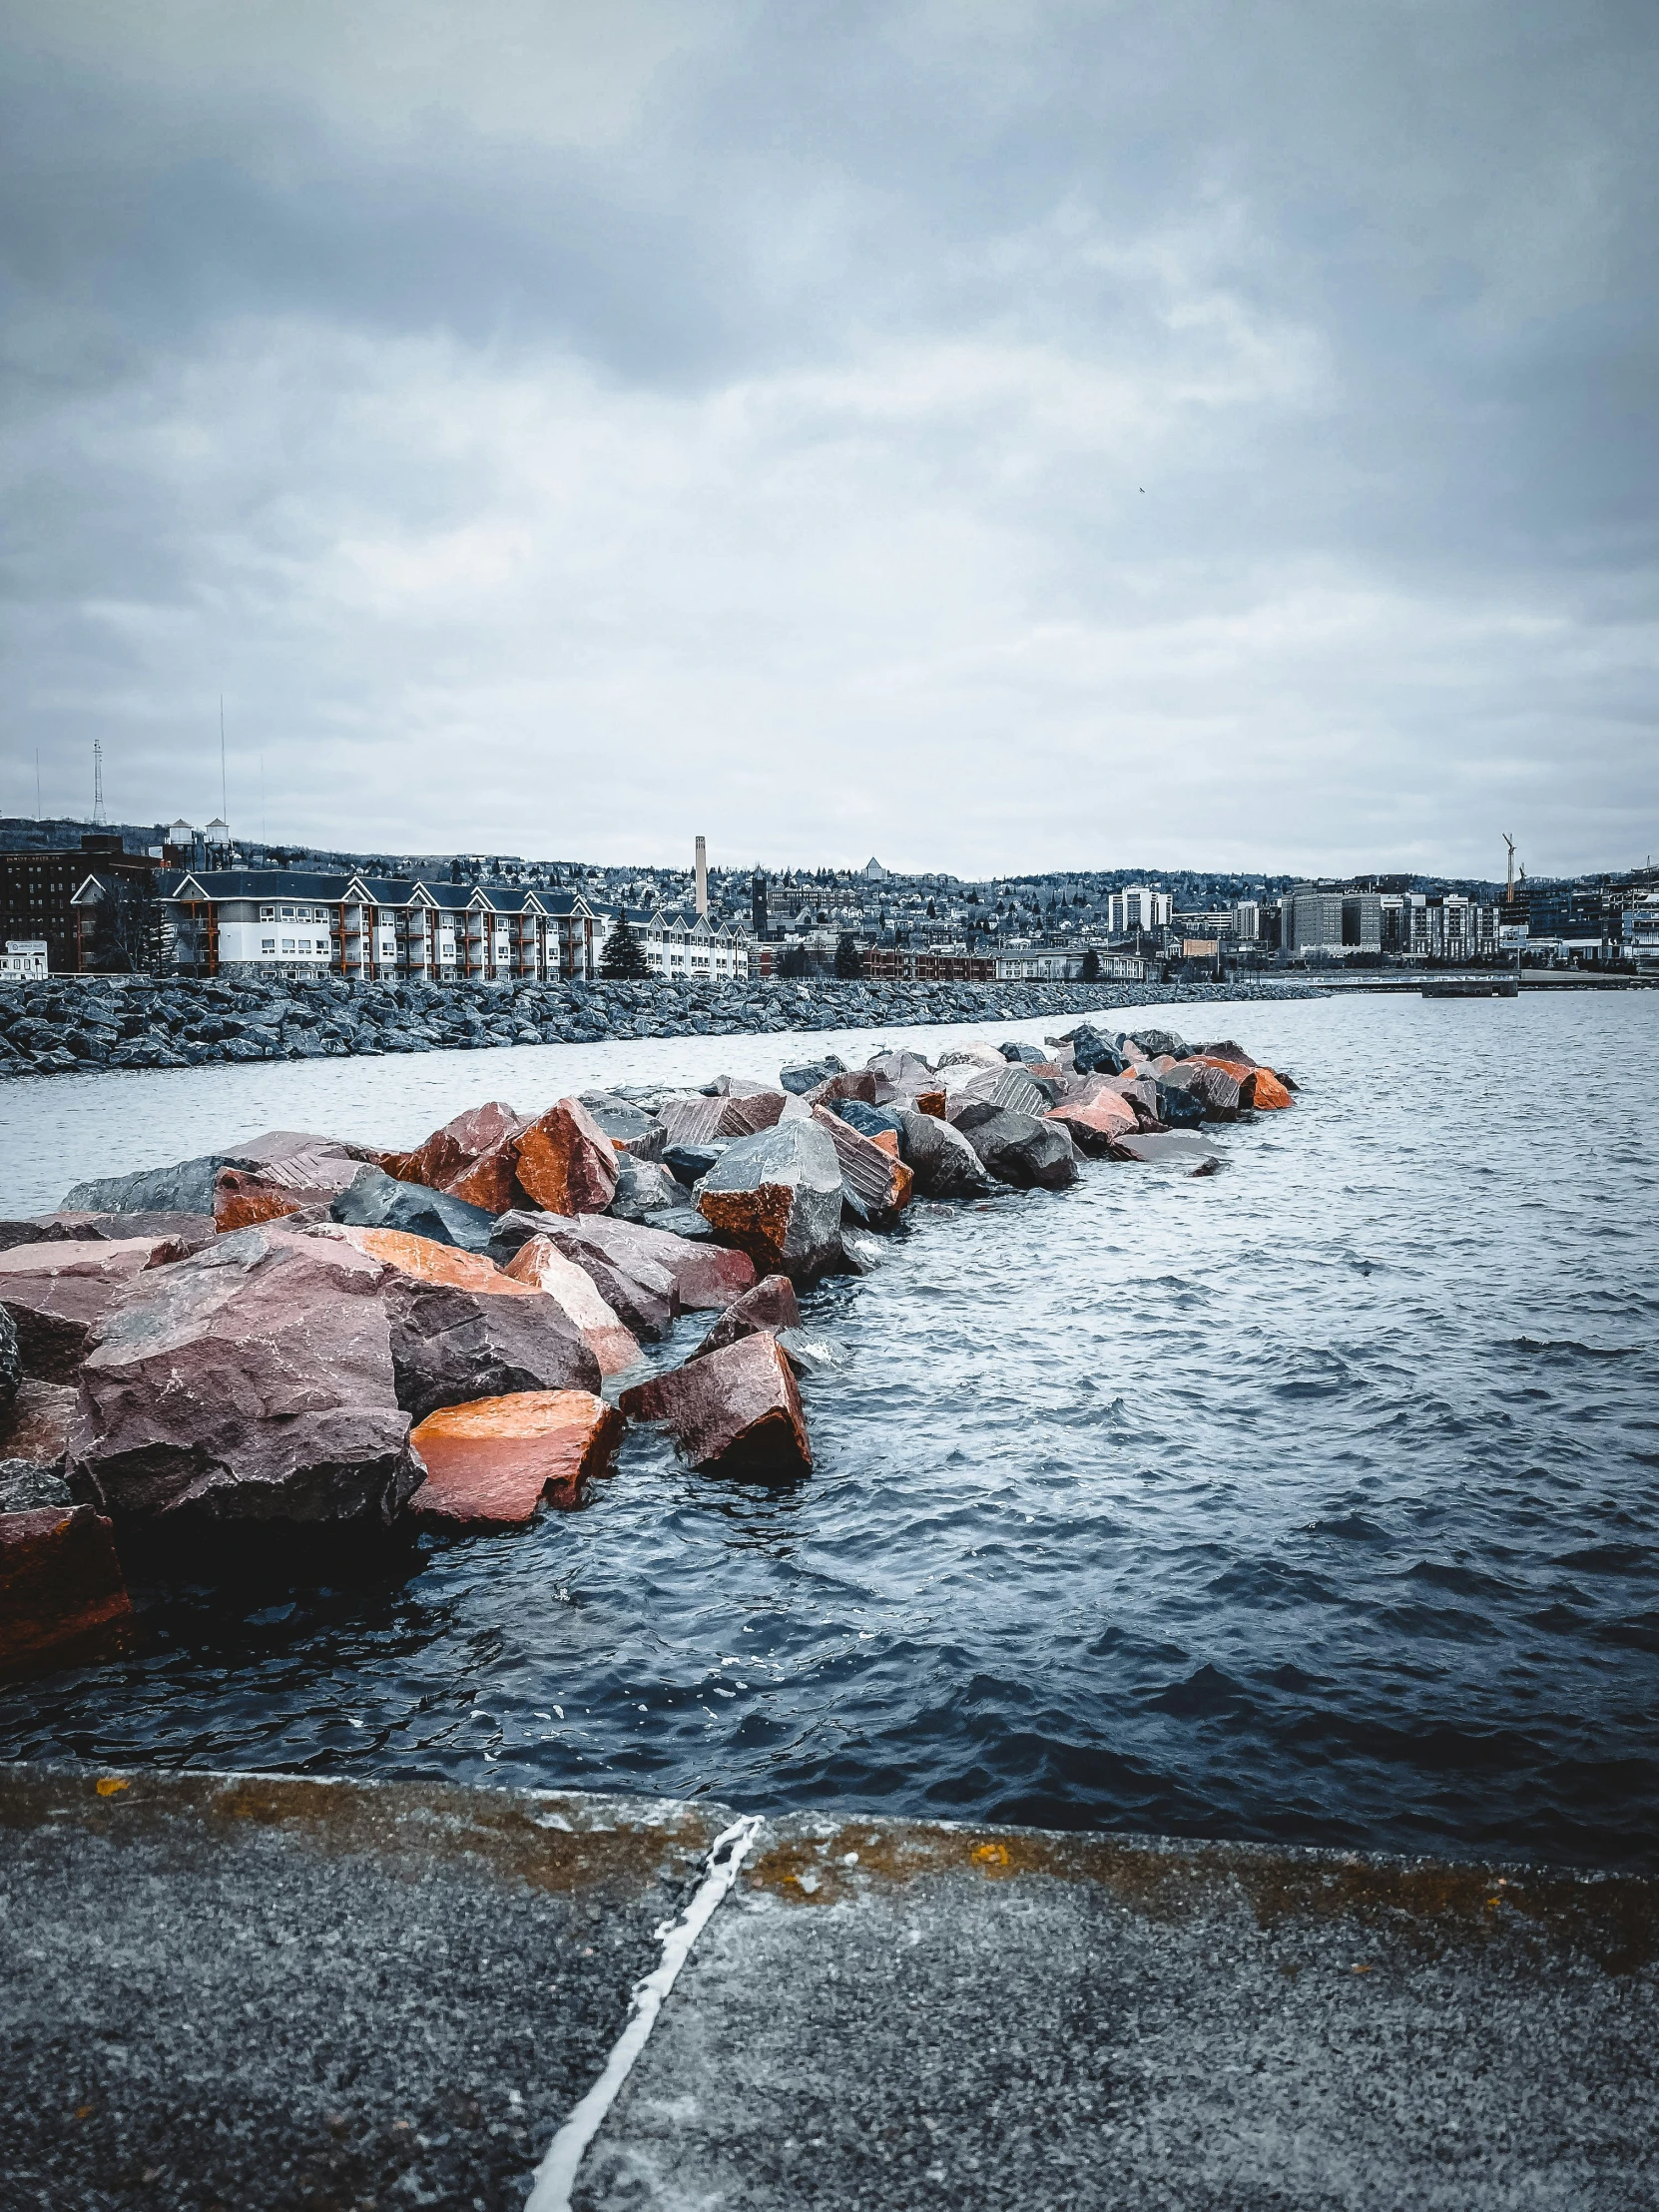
[[288, 945], [268, 913], [267, 944]]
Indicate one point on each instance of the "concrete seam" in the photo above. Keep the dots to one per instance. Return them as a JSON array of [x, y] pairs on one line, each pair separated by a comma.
[[555, 2177]]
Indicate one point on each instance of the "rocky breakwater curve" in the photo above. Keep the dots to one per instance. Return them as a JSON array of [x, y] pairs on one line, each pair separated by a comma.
[[75, 1023], [313, 1333]]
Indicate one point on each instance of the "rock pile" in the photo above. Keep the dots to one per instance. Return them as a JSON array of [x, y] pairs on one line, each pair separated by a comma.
[[312, 1331], [69, 1024]]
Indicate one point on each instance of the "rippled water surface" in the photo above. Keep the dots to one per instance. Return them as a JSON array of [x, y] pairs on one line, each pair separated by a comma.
[[1318, 1499]]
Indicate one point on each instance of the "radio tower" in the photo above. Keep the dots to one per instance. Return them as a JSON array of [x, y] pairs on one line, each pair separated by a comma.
[[98, 783]]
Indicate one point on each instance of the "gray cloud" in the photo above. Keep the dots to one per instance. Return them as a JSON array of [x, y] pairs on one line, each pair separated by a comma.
[[560, 429]]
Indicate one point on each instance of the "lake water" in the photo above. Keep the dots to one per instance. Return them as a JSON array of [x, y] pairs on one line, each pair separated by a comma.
[[1314, 1501]]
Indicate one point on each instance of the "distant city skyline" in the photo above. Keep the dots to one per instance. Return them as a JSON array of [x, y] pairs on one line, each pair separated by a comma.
[[994, 435]]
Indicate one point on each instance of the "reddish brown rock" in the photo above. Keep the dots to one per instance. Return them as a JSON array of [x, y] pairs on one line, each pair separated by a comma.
[[566, 1163], [450, 1153], [251, 1381], [738, 1411], [852, 1084], [879, 1180], [58, 1293], [771, 1304], [62, 1595], [751, 1110], [544, 1267], [490, 1464]]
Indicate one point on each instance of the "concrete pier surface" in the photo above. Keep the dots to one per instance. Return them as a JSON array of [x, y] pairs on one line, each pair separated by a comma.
[[255, 1992]]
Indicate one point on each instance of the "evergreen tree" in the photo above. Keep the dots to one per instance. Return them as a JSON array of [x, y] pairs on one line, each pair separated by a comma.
[[850, 963], [625, 960], [1091, 966], [794, 963]]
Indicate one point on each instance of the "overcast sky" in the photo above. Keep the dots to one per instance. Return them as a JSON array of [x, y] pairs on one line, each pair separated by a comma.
[[990, 436]]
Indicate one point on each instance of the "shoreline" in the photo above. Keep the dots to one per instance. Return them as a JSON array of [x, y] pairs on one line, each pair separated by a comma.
[[140, 1023]]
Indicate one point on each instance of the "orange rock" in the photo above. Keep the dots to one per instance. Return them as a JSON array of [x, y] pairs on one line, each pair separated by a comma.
[[490, 1464], [566, 1163], [930, 1102], [241, 1199], [1240, 1070], [1268, 1095], [542, 1265], [431, 1262], [61, 1587], [887, 1139], [1096, 1121]]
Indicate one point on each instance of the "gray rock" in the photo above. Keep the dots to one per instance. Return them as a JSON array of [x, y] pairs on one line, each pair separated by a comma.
[[11, 1359], [1019, 1148], [945, 1163], [812, 1073], [26, 1485], [450, 1344], [643, 1189], [377, 1200], [778, 1197]]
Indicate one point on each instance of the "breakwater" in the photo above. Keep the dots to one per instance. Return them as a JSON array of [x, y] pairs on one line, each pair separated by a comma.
[[71, 1025], [1309, 1502]]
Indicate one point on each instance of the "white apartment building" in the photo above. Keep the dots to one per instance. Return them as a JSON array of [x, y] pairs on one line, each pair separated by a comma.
[[1138, 907]]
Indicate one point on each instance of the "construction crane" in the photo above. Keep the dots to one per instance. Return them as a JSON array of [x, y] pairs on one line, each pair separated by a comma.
[[1509, 892]]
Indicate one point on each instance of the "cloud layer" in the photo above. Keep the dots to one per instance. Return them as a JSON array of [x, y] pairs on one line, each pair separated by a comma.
[[993, 436]]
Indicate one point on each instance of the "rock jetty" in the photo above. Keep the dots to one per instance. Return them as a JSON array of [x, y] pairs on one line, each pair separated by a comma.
[[70, 1025], [314, 1332]]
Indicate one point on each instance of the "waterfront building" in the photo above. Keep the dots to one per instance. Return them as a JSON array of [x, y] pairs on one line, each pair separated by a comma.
[[24, 960], [695, 947], [297, 922], [38, 892]]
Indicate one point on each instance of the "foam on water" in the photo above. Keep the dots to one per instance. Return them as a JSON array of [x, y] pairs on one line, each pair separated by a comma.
[[1318, 1499]]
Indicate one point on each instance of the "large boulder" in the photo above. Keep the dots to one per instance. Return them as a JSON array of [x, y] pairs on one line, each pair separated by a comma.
[[875, 1181], [642, 1294], [811, 1073], [1019, 1148], [544, 1268], [62, 1595], [942, 1161], [778, 1197], [707, 1276], [905, 1071], [490, 1464], [1093, 1054], [377, 1200], [35, 1422], [1267, 1092], [253, 1380], [466, 1156], [463, 1328], [871, 1120], [1094, 1122], [57, 1293], [11, 1362], [1154, 1043], [566, 1163], [187, 1186], [771, 1304], [630, 1128], [1169, 1149], [738, 1411], [644, 1188]]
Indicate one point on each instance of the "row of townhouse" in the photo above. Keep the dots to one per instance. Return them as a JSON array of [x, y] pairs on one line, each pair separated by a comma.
[[293, 922]]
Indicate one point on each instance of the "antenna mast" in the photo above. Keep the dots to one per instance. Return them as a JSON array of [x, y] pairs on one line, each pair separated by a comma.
[[224, 803], [1510, 891], [97, 783]]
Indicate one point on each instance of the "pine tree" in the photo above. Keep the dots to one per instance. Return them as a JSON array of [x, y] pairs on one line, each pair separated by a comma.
[[625, 960], [1091, 966], [850, 964]]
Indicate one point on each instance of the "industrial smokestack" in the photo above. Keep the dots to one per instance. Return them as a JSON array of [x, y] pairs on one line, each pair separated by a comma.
[[703, 875]]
